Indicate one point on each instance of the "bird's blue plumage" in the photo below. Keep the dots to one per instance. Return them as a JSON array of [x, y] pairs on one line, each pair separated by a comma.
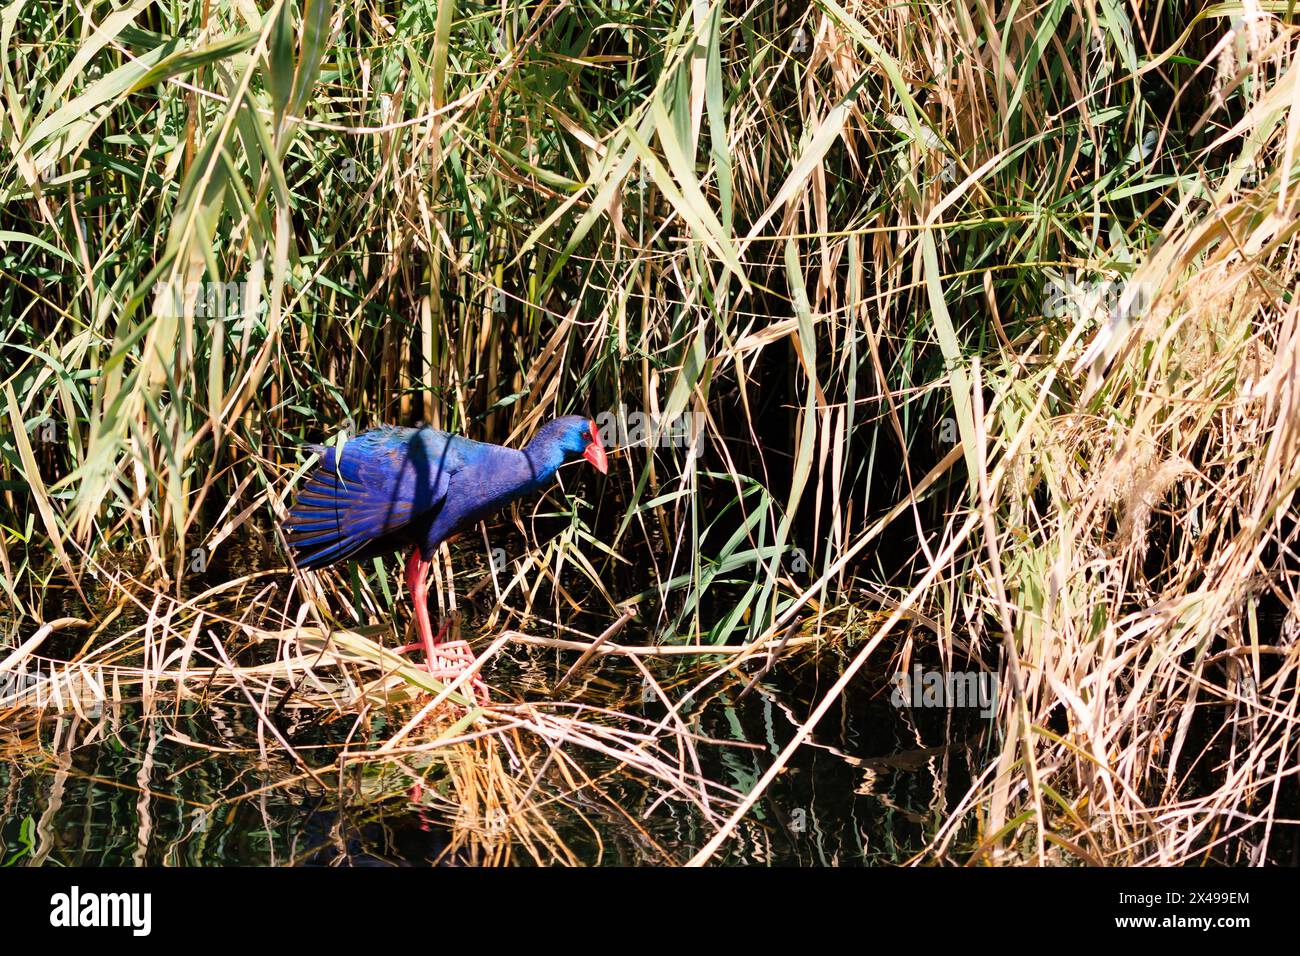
[[391, 488]]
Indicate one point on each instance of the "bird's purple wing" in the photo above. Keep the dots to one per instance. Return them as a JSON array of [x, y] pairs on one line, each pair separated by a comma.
[[383, 481]]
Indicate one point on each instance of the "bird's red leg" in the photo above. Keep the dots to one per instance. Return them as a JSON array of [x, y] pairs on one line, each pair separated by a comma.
[[417, 575], [422, 645], [446, 662]]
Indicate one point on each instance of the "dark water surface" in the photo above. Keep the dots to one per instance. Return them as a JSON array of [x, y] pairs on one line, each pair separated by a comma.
[[871, 788], [204, 782]]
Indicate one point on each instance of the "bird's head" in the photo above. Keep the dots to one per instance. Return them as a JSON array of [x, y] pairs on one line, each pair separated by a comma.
[[573, 436]]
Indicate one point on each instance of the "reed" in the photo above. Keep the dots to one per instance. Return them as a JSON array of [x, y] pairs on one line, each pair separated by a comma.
[[954, 330]]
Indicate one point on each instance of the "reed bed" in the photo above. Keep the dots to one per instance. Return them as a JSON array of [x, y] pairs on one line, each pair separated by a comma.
[[953, 332], [486, 771]]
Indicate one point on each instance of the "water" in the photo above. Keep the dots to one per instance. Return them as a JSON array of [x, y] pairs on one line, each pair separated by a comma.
[[202, 779], [190, 785]]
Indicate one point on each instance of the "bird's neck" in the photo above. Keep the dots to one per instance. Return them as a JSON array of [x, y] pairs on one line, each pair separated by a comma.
[[544, 459]]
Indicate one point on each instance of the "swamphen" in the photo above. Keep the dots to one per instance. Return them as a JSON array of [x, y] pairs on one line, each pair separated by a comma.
[[393, 488]]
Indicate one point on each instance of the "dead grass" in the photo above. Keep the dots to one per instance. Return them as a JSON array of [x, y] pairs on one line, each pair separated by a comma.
[[833, 234]]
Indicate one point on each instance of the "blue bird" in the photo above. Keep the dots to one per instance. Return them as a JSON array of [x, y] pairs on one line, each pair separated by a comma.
[[392, 488]]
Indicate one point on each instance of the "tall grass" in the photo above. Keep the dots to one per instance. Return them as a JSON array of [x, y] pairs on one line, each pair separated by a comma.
[[985, 310]]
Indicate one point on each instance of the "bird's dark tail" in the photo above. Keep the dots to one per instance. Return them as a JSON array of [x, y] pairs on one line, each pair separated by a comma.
[[323, 525], [372, 496]]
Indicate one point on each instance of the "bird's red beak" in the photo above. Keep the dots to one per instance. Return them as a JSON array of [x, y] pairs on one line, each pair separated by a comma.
[[595, 452]]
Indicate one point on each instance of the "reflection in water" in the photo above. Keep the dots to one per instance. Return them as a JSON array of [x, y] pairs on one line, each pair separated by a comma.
[[199, 779], [199, 785]]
